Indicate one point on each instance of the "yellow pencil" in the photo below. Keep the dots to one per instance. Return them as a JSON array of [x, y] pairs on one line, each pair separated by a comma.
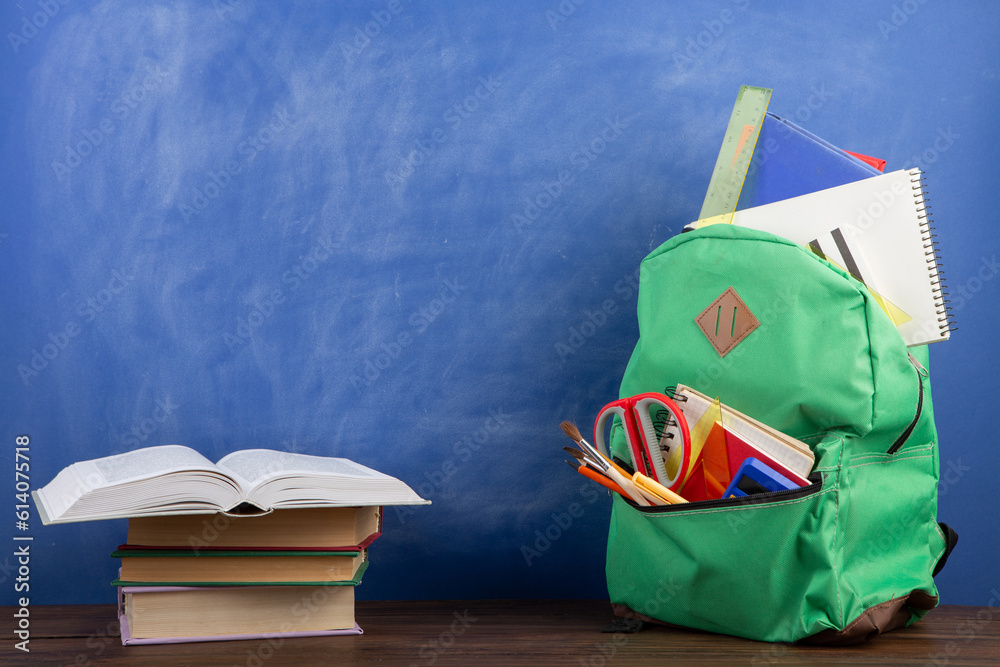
[[657, 490]]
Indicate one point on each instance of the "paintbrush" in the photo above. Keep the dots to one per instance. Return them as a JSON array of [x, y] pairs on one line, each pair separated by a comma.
[[606, 466], [582, 458], [574, 433]]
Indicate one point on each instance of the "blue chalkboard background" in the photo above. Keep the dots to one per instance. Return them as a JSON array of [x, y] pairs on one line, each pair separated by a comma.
[[408, 233]]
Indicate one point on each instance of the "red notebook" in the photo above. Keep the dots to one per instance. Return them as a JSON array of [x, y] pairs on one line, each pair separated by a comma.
[[740, 450], [710, 475]]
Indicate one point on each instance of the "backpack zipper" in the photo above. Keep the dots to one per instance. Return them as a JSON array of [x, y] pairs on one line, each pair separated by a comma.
[[816, 484], [921, 374]]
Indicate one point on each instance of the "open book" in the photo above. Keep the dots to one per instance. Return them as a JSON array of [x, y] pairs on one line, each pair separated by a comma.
[[172, 479]]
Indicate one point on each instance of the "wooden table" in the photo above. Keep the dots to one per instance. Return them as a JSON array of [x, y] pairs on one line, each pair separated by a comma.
[[504, 632]]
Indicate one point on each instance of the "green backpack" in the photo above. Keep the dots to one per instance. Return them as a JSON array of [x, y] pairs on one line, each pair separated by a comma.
[[844, 559]]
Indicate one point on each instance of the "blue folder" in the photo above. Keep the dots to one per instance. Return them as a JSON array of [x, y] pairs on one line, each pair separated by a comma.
[[789, 161]]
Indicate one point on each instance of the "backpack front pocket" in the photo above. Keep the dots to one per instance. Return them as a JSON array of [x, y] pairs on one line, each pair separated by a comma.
[[762, 568]]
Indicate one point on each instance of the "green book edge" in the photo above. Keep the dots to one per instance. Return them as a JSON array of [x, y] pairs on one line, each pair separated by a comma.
[[347, 582]]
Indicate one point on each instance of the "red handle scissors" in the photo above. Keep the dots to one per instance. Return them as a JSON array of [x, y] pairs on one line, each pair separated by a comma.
[[656, 433]]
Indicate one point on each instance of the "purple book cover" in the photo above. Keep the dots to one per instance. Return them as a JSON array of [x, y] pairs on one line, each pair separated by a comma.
[[128, 640]]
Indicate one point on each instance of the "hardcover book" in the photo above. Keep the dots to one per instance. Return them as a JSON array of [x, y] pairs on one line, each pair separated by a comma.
[[177, 614], [172, 479], [314, 528], [162, 567]]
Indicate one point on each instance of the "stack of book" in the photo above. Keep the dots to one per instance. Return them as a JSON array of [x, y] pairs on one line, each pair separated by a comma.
[[280, 555], [292, 571]]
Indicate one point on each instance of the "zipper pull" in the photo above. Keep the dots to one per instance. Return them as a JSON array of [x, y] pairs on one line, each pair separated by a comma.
[[916, 364]]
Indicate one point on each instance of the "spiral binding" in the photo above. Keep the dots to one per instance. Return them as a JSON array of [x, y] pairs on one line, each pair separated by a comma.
[[945, 323], [671, 391], [660, 423], [661, 420]]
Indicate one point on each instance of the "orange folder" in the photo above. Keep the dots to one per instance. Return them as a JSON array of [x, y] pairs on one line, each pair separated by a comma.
[[710, 474]]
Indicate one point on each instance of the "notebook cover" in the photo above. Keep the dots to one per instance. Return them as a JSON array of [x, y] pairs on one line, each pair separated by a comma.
[[888, 218], [740, 450], [790, 161], [128, 640]]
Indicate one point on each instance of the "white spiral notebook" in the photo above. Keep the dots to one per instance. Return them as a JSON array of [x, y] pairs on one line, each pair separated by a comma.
[[887, 218]]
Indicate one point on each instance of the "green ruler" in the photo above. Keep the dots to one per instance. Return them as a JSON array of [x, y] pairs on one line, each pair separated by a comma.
[[735, 155]]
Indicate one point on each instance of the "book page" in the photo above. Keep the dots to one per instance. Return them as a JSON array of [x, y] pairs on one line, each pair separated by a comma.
[[152, 460], [792, 453], [134, 483], [255, 465]]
